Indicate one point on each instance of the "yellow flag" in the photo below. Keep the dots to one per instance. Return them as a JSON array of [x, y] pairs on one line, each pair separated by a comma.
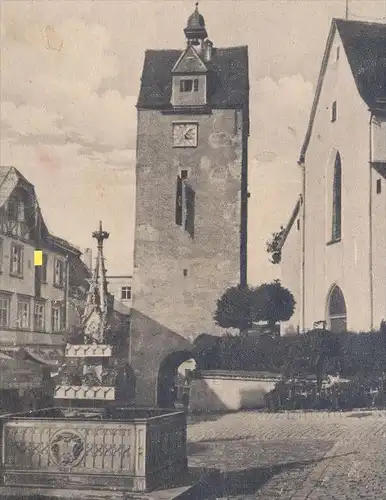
[[38, 258]]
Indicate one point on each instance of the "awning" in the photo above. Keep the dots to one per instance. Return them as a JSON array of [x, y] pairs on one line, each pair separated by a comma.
[[48, 356], [17, 374]]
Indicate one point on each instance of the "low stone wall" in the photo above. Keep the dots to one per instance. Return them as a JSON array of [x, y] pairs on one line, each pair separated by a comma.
[[230, 390]]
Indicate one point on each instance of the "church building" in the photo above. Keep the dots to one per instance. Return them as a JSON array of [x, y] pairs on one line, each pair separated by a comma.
[[191, 195], [333, 251]]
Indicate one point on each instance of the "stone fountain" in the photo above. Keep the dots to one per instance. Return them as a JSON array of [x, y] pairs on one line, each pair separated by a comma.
[[90, 374], [91, 445]]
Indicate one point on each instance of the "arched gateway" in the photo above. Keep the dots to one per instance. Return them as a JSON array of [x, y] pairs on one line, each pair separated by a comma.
[[167, 374]]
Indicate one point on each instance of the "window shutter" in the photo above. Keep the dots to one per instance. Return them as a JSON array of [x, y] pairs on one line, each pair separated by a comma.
[[179, 202], [190, 206]]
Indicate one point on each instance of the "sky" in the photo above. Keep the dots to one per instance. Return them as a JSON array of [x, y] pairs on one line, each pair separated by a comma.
[[69, 81]]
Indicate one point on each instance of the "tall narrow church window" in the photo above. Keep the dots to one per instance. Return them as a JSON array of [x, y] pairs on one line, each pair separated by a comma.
[[334, 112], [337, 200]]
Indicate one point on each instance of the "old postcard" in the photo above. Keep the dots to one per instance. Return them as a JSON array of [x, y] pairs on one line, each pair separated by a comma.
[[193, 249]]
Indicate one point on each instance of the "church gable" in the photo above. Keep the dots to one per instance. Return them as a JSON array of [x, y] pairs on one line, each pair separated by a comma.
[[189, 63], [364, 48]]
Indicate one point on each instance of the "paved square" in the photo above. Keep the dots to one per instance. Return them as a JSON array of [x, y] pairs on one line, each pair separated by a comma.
[[294, 456]]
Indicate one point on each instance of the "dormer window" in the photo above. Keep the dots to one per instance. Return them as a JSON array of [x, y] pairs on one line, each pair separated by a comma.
[[189, 85]]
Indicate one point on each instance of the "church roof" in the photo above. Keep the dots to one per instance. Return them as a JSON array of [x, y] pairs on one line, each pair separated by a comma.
[[365, 47], [228, 76]]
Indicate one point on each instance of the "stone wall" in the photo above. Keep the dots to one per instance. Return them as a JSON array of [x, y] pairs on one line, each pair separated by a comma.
[[215, 391]]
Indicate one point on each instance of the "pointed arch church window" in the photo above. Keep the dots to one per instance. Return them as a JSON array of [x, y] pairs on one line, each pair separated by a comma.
[[337, 200]]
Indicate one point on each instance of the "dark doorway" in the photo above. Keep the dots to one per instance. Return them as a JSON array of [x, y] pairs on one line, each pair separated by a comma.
[[167, 390]]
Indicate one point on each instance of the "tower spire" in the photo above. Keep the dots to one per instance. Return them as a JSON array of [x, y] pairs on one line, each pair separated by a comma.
[[195, 31], [97, 307]]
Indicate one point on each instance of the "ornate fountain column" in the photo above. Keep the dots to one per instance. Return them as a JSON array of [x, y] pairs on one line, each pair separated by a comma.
[[90, 370]]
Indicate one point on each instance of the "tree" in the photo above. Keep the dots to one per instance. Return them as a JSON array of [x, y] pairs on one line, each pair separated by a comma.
[[240, 306], [234, 308], [313, 352], [271, 302]]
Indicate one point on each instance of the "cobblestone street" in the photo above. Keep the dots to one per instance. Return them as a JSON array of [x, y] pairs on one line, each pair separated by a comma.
[[296, 456]]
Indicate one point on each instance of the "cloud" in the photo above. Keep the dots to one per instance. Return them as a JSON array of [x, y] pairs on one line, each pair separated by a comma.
[[280, 116], [72, 140], [29, 120], [52, 75]]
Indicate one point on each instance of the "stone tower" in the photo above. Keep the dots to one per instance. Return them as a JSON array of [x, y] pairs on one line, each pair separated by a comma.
[[191, 194]]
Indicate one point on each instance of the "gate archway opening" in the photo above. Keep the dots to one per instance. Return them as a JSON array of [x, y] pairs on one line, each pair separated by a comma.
[[337, 312], [169, 377]]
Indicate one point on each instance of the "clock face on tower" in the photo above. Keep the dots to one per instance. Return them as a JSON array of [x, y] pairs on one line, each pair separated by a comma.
[[185, 135]]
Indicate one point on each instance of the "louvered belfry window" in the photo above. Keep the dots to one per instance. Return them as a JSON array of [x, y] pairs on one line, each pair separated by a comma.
[[179, 202], [189, 214], [185, 204]]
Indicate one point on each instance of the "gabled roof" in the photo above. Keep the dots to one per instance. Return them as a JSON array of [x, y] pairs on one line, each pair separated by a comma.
[[189, 62], [228, 78], [365, 47], [63, 244], [10, 179]]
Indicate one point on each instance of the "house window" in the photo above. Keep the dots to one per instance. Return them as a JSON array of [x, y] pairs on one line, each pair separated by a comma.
[[59, 273], [17, 253], [16, 217], [333, 111], [56, 318], [126, 293], [184, 174], [379, 190], [337, 200], [39, 317], [4, 311], [185, 206], [190, 85], [22, 319], [337, 53]]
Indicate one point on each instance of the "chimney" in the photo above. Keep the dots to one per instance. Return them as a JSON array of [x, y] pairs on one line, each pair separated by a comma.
[[87, 258], [208, 49]]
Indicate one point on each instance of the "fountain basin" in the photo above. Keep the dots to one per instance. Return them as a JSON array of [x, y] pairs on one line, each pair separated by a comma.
[[129, 449]]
